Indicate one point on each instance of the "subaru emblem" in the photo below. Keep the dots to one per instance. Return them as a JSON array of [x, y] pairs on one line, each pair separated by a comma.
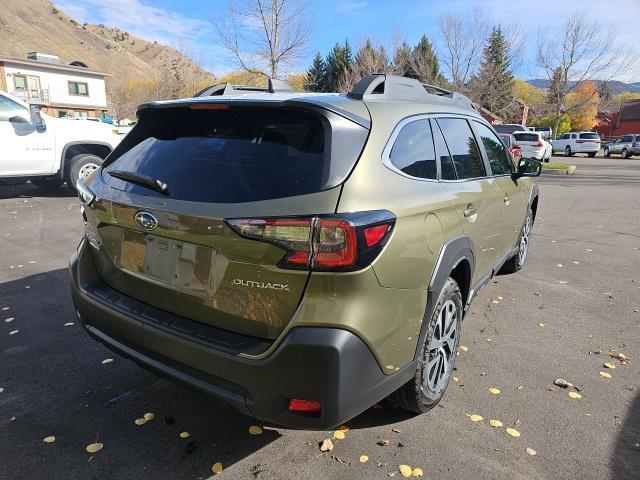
[[146, 221]]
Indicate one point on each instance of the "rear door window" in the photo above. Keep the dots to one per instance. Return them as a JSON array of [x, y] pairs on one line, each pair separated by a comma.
[[237, 154], [496, 151], [463, 148], [413, 151]]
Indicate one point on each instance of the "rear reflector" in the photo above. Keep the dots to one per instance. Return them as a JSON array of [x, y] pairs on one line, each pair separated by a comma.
[[373, 235], [304, 406]]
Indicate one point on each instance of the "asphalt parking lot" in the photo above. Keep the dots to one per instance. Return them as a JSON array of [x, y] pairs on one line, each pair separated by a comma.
[[577, 299]]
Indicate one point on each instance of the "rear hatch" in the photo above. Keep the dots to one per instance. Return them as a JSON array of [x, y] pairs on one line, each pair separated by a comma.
[[172, 243], [530, 142], [589, 140]]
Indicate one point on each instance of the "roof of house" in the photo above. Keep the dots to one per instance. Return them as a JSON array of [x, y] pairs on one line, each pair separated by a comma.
[[50, 66], [630, 111]]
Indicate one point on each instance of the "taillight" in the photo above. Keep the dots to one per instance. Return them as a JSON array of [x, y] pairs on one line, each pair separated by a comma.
[[326, 243], [539, 143], [304, 406]]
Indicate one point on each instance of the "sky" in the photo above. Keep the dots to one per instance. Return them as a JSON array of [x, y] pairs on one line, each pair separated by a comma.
[[188, 24]]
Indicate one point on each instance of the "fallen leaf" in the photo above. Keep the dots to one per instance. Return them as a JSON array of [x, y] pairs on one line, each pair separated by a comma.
[[140, 421], [637, 446], [455, 379], [107, 360], [531, 451], [620, 356], [68, 324], [338, 435], [13, 332], [405, 470], [1, 389], [513, 432], [50, 439], [561, 382], [149, 416], [495, 423], [494, 390], [563, 282], [605, 374], [4, 309], [609, 365], [559, 265], [343, 428], [383, 443], [326, 445], [364, 459], [9, 320], [575, 395], [475, 418], [217, 468], [417, 472], [463, 348], [185, 434], [541, 324], [495, 301], [395, 430], [255, 430], [94, 447]]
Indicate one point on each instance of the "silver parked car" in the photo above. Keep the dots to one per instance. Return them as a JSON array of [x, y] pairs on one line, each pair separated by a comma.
[[626, 146]]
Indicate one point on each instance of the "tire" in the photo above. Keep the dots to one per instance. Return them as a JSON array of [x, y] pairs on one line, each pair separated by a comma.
[[438, 351], [47, 182], [567, 151], [592, 154], [624, 153], [80, 167], [516, 262], [606, 152]]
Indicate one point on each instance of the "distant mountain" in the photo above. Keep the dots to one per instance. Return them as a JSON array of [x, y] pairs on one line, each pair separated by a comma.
[[616, 86]]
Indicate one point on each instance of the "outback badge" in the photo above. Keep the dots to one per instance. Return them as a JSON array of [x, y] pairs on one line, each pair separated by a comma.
[[146, 221]]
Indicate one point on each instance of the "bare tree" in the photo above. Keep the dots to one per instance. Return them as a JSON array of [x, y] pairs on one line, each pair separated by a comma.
[[461, 43], [370, 58], [581, 51], [265, 35]]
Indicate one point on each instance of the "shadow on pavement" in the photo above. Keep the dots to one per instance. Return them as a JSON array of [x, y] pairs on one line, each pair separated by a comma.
[[56, 384], [625, 458], [29, 190]]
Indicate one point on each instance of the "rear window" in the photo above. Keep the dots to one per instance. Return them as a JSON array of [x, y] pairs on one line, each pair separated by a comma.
[[590, 136], [413, 152], [526, 137], [238, 154]]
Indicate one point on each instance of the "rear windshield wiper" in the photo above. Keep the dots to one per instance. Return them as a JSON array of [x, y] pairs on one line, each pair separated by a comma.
[[142, 180]]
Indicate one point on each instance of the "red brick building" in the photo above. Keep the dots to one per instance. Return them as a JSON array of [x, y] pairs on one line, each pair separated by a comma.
[[627, 120]]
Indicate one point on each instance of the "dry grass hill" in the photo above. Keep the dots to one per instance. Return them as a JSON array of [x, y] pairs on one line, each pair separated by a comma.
[[38, 25]]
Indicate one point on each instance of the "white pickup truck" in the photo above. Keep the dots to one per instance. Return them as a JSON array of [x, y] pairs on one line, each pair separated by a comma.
[[49, 151]]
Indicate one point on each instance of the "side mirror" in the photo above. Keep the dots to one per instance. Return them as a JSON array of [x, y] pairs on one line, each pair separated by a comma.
[[36, 118], [528, 167]]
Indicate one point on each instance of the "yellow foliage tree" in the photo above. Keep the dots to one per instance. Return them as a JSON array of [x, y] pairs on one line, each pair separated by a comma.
[[584, 106], [528, 94]]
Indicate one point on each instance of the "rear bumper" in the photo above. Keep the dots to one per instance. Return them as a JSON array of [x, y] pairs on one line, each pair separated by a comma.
[[329, 365]]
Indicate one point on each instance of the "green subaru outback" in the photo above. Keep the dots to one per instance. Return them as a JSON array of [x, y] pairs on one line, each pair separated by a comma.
[[301, 256]]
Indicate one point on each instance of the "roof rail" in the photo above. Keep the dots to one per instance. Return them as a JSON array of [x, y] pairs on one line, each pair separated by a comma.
[[392, 87], [274, 86]]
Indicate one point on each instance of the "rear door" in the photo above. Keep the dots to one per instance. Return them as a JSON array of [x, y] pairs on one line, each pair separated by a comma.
[[178, 250], [479, 198]]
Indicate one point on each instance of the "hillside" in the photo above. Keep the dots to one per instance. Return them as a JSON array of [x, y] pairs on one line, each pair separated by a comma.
[[38, 25], [615, 85]]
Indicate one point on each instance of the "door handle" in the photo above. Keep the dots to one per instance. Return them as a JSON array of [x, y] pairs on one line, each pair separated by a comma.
[[470, 211], [506, 198]]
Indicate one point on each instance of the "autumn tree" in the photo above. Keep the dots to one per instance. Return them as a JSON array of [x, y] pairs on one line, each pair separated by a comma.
[[264, 35], [583, 106], [402, 63]]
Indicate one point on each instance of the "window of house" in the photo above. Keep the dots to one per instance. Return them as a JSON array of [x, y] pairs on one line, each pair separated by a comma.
[[80, 89], [412, 151], [80, 114], [463, 147], [62, 113]]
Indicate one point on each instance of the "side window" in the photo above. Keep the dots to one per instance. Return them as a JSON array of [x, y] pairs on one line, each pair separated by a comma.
[[447, 169], [573, 135], [565, 136], [463, 147], [496, 151], [412, 151], [11, 111]]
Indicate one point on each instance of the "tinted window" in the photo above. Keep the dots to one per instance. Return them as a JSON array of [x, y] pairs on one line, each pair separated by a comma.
[[573, 135], [10, 109], [526, 137], [565, 136], [236, 155], [506, 139], [447, 169], [592, 136], [497, 154], [627, 138], [463, 148], [412, 151]]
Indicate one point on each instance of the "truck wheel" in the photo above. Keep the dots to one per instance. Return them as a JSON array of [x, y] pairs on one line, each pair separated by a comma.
[[516, 262], [47, 182], [80, 167], [438, 354]]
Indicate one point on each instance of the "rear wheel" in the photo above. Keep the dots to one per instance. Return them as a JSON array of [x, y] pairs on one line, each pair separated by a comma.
[[567, 151], [47, 182], [606, 151], [592, 154], [437, 356], [516, 262], [80, 167], [624, 153]]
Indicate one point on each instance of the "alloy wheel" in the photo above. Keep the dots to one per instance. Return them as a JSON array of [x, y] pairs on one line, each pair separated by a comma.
[[525, 236], [442, 348], [87, 170]]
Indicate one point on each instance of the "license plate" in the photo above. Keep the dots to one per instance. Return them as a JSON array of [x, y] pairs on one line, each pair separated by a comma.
[[171, 262]]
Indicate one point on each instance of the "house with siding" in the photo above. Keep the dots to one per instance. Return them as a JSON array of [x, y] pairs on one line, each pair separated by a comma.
[[72, 90], [624, 122]]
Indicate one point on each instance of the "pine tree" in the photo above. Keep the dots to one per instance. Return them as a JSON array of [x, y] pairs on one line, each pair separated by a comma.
[[492, 87], [371, 59], [403, 60], [337, 65], [316, 75], [425, 66]]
